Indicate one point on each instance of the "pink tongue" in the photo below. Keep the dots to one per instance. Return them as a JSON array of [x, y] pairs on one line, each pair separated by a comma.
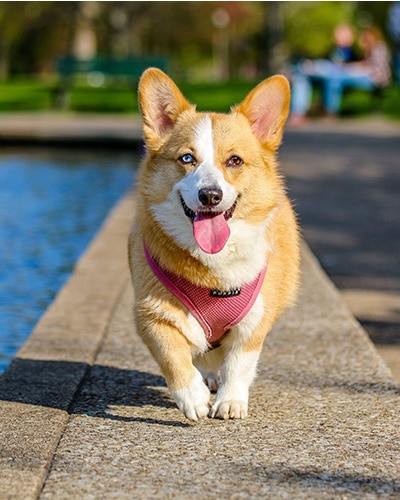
[[211, 232]]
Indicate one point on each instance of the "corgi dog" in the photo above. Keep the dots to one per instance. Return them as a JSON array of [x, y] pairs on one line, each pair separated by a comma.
[[214, 249]]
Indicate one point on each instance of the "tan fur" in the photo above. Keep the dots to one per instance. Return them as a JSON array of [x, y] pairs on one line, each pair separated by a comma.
[[253, 131]]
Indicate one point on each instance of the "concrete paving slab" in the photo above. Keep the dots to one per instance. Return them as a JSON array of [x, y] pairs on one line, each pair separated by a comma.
[[39, 386], [86, 414], [71, 128], [344, 179]]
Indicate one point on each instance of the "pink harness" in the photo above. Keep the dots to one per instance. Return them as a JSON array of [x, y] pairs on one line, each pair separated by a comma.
[[216, 311]]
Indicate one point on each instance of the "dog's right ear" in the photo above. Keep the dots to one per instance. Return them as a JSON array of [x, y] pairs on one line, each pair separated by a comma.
[[161, 102]]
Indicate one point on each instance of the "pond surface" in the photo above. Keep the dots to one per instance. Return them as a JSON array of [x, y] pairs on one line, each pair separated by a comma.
[[52, 203]]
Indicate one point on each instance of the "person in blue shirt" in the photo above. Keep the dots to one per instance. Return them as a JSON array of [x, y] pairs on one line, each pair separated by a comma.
[[341, 70]]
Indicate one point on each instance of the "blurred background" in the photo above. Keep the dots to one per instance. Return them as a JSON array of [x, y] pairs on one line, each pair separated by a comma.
[[202, 44]]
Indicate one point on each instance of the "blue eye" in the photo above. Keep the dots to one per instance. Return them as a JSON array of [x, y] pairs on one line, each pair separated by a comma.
[[187, 159]]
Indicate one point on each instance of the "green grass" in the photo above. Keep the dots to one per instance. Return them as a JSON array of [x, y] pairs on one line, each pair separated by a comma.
[[104, 99], [391, 102], [361, 102], [24, 96], [216, 96], [120, 97], [123, 98]]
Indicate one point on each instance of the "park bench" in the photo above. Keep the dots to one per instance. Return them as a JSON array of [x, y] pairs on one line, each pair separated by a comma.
[[98, 70]]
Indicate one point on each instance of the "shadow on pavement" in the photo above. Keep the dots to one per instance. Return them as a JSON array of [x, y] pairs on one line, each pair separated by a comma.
[[79, 389], [346, 190]]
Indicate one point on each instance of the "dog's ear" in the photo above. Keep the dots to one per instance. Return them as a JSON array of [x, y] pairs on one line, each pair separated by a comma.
[[161, 102], [267, 108]]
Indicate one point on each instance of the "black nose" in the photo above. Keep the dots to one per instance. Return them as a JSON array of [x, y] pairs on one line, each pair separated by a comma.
[[210, 196]]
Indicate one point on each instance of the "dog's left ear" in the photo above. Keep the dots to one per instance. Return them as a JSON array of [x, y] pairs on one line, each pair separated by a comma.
[[267, 108], [161, 103]]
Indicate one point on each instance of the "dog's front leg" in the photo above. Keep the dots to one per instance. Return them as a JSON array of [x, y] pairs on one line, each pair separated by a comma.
[[237, 374], [173, 353], [193, 399]]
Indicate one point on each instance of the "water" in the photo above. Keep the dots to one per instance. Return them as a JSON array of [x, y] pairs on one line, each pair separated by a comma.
[[52, 203]]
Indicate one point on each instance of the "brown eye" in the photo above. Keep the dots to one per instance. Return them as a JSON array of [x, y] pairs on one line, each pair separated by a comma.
[[234, 161]]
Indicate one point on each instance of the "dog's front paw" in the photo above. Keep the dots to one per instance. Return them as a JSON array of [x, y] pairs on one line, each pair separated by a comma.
[[193, 400], [229, 409]]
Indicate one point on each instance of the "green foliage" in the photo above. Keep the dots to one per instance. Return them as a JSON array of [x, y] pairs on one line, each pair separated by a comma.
[[33, 35], [25, 95], [103, 99], [216, 96], [360, 102], [36, 95], [391, 102], [309, 25]]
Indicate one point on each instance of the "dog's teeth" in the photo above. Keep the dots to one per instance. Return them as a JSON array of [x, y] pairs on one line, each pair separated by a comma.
[[188, 212], [191, 214]]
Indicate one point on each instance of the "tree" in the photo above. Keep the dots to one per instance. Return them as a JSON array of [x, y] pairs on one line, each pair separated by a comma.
[[251, 38], [309, 25], [11, 21]]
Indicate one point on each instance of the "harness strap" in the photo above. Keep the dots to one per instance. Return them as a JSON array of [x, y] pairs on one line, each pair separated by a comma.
[[217, 311]]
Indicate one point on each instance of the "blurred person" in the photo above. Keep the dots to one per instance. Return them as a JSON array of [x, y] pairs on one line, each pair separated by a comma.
[[370, 73], [343, 50], [394, 30], [307, 72]]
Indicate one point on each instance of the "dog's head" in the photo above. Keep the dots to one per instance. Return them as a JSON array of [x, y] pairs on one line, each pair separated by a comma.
[[204, 171]]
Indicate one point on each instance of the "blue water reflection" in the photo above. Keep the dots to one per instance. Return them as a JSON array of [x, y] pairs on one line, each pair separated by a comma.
[[52, 202]]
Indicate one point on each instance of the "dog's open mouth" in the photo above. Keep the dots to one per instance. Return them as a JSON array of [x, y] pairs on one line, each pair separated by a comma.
[[210, 228]]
